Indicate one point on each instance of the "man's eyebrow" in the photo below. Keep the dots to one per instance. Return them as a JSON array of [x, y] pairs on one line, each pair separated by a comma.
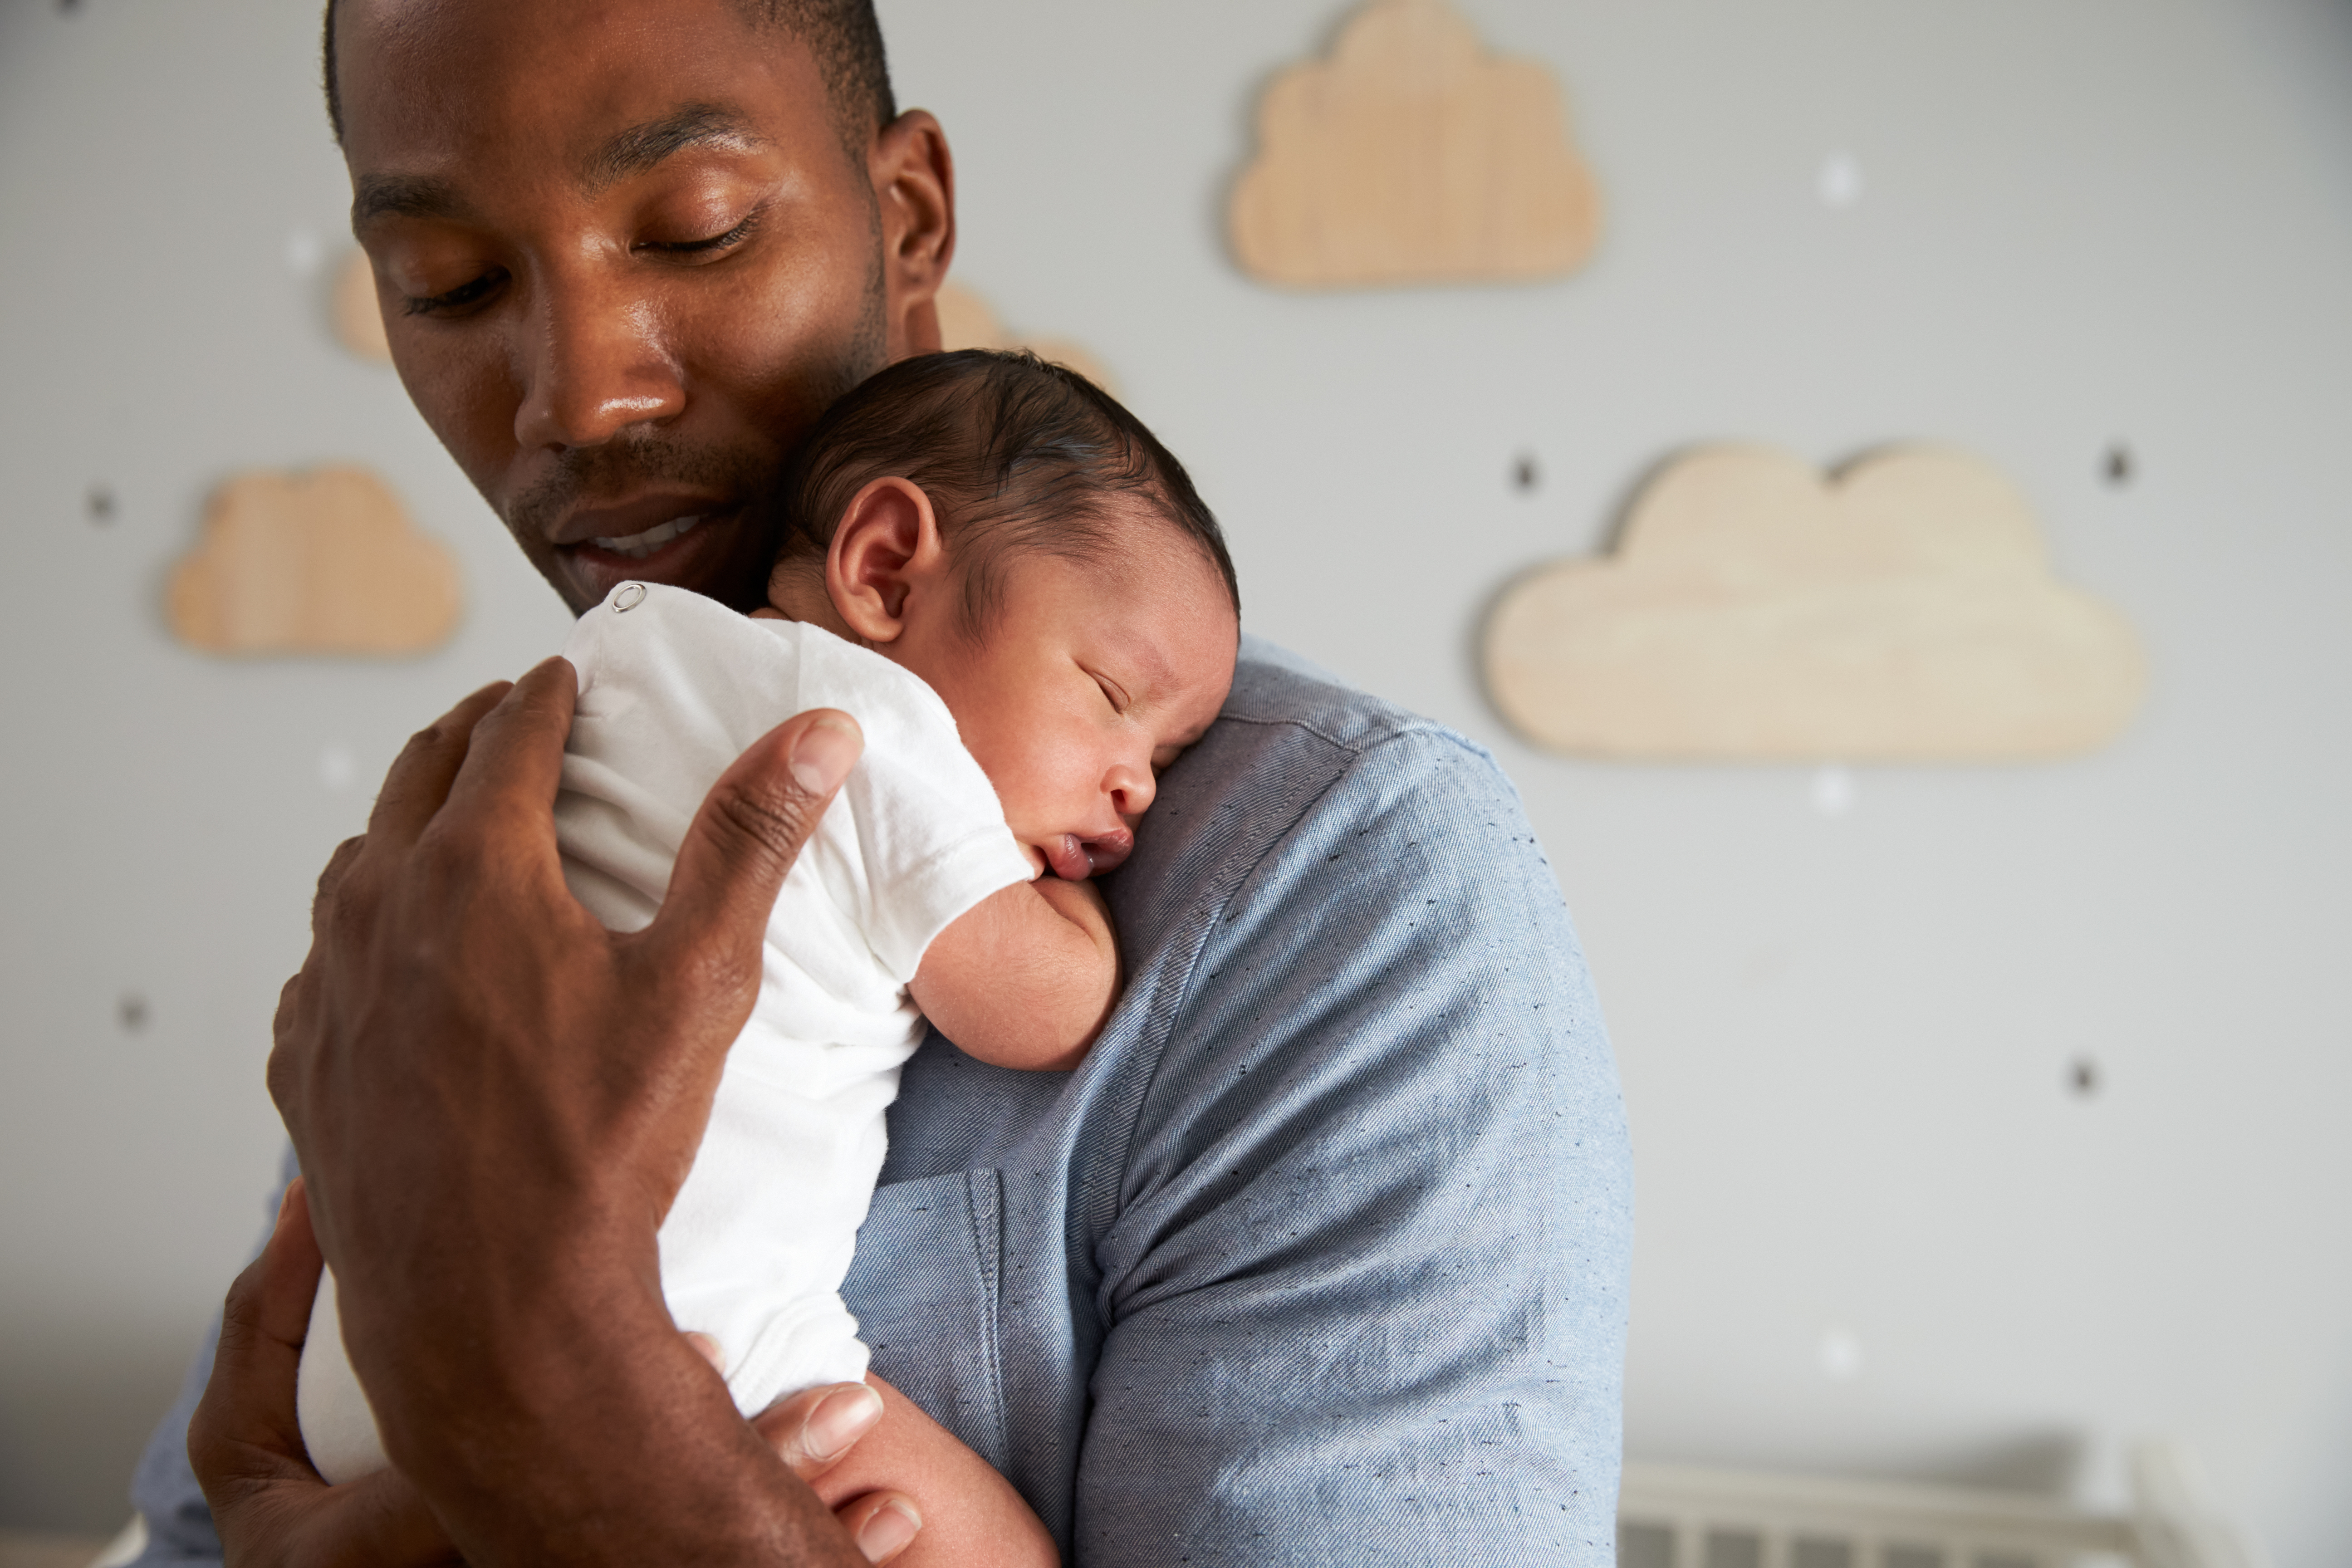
[[640, 147], [403, 195], [629, 152]]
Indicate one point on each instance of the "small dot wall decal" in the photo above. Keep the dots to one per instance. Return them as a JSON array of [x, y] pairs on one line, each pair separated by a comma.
[[1839, 182]]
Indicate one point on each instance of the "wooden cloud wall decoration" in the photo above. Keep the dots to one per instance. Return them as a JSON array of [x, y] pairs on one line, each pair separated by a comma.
[[969, 321], [357, 320], [1412, 155], [1903, 610], [323, 563]]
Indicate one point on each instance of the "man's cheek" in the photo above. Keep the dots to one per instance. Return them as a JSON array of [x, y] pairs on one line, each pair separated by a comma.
[[468, 397]]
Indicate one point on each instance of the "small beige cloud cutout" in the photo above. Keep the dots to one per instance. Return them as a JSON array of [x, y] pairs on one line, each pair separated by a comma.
[[1412, 155], [1903, 612], [323, 563], [358, 319], [967, 321]]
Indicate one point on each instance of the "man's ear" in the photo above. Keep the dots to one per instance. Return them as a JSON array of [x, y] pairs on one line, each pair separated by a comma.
[[886, 553], [914, 186]]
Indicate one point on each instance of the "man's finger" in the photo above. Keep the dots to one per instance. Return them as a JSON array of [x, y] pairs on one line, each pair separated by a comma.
[[814, 1429], [883, 1524], [387, 1518], [339, 866], [420, 776], [248, 1404], [747, 834], [286, 1275], [508, 773]]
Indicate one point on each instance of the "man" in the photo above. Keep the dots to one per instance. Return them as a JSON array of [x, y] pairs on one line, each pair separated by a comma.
[[1320, 1257]]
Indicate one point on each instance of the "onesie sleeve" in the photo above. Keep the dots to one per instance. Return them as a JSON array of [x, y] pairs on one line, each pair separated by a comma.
[[930, 830]]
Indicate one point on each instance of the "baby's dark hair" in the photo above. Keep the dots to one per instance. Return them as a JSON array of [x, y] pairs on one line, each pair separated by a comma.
[[1015, 454]]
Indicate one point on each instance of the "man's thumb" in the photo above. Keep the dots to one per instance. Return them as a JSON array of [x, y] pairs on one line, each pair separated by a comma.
[[747, 834]]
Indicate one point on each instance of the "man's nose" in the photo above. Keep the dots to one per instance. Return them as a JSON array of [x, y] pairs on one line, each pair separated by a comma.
[[594, 363]]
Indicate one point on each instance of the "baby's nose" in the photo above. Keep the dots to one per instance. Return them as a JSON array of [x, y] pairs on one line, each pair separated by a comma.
[[1131, 790]]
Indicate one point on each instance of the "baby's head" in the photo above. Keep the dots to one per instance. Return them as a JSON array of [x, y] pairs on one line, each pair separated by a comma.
[[1006, 531]]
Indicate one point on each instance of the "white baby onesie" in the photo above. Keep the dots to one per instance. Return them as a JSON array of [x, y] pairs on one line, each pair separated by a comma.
[[673, 687]]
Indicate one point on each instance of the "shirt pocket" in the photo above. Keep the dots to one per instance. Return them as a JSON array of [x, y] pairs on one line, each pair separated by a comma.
[[924, 1288]]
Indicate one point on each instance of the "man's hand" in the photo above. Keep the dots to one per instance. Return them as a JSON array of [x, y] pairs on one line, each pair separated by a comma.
[[272, 1508], [495, 1100], [246, 1447]]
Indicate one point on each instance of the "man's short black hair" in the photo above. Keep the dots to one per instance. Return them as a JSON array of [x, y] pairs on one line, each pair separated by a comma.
[[844, 36], [1015, 454]]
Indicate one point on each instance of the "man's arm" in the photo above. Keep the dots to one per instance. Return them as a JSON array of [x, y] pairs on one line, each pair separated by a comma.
[[494, 1101], [1026, 977], [1365, 1291]]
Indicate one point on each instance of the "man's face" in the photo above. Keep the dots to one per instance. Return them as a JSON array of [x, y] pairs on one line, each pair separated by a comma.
[[625, 261]]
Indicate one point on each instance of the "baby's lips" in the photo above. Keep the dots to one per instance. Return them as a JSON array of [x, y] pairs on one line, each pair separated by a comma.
[[1111, 851], [1074, 859], [1068, 858]]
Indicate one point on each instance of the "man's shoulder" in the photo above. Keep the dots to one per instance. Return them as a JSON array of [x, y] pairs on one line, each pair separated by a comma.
[[1309, 790], [1274, 685], [1311, 722]]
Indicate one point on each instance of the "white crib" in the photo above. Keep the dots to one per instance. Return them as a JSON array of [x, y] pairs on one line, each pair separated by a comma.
[[1672, 1516]]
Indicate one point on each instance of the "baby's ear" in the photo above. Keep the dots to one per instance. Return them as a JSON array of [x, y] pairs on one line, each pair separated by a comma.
[[885, 556]]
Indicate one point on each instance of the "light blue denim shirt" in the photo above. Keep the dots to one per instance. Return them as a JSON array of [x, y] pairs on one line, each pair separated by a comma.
[[1321, 1255]]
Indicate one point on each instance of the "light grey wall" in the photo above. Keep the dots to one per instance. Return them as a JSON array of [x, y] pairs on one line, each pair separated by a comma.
[[1845, 1039]]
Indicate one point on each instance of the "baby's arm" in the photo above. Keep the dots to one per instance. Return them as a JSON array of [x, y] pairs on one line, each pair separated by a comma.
[[1026, 977]]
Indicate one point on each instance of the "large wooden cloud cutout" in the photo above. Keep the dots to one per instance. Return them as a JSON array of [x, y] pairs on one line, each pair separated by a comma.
[[323, 563], [969, 321], [1902, 611], [1412, 155]]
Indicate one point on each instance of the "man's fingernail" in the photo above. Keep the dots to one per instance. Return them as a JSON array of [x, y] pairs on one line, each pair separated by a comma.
[[825, 754], [840, 1419], [893, 1525], [286, 1204]]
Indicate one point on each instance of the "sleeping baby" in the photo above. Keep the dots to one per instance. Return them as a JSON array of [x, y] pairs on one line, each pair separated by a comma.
[[1016, 592]]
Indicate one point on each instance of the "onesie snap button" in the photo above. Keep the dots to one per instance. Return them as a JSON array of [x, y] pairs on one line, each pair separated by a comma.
[[628, 596]]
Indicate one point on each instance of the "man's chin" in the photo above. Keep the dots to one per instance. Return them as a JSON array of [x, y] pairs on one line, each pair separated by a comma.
[[705, 560]]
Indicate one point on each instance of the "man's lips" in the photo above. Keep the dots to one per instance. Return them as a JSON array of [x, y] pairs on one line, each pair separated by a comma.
[[638, 527], [638, 546], [689, 549]]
